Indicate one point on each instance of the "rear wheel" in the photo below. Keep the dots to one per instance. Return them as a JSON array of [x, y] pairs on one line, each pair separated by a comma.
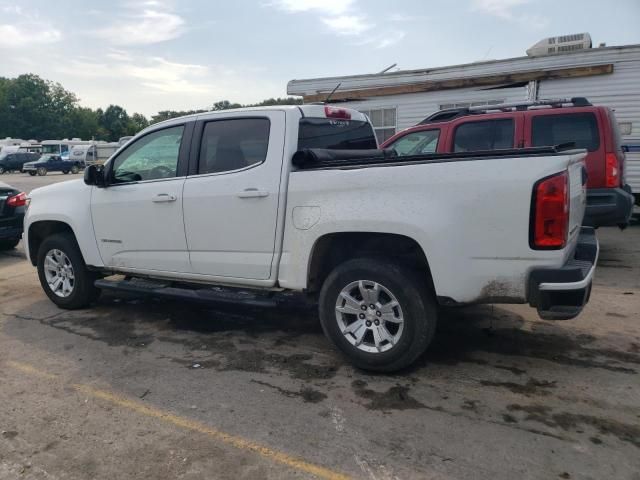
[[66, 172], [9, 244], [380, 314], [2, 170], [75, 169], [42, 171], [64, 275], [32, 173]]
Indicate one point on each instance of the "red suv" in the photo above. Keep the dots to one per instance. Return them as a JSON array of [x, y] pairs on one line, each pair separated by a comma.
[[535, 124]]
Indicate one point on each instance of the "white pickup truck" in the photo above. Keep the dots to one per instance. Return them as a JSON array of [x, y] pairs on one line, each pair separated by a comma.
[[298, 198]]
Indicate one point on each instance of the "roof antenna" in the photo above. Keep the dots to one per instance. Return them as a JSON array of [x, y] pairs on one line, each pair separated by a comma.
[[326, 100], [387, 69]]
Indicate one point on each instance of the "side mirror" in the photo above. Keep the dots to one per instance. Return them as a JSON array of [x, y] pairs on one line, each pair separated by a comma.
[[94, 175]]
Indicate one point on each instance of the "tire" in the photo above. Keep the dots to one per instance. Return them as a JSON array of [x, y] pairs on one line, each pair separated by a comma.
[[9, 244], [2, 170], [42, 171], [75, 169], [417, 309], [32, 173], [83, 291], [66, 172]]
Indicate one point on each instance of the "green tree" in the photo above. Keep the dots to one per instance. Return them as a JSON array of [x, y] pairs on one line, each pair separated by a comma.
[[115, 121], [138, 122]]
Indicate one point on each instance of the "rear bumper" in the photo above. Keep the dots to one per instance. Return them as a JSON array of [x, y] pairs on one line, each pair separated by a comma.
[[11, 228], [608, 207], [561, 293]]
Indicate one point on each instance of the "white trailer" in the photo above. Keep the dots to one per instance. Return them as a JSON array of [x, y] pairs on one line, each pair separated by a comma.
[[607, 76]]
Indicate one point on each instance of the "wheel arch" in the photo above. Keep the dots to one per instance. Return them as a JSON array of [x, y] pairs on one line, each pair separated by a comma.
[[42, 229], [332, 249]]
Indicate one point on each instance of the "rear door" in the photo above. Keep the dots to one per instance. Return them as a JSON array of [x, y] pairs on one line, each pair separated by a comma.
[[231, 199], [548, 127], [486, 132]]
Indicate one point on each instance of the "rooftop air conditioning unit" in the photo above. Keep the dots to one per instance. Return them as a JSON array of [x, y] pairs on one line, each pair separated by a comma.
[[561, 44]]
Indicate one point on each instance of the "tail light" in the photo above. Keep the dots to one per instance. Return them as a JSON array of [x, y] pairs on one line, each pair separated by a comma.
[[550, 212], [19, 200], [335, 112], [612, 170]]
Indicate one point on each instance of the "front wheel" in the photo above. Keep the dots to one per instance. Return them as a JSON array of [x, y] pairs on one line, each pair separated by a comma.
[[380, 314], [42, 171], [63, 274]]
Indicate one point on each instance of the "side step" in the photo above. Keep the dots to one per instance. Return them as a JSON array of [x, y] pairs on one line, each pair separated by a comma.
[[192, 293]]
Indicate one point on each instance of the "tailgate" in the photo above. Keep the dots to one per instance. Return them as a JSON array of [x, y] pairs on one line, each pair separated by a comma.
[[577, 196]]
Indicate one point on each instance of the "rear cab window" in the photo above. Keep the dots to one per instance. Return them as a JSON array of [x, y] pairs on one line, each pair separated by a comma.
[[335, 134]]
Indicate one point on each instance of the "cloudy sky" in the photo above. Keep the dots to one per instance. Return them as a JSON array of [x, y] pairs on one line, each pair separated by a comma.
[[152, 55]]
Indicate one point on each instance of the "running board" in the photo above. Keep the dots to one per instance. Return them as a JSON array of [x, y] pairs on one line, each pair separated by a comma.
[[193, 294]]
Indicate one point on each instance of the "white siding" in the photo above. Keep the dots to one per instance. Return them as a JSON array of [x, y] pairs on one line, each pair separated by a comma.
[[415, 107], [620, 91]]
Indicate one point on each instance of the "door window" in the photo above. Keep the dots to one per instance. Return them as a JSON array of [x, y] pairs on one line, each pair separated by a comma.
[[152, 157], [578, 128], [484, 135], [417, 143], [233, 144]]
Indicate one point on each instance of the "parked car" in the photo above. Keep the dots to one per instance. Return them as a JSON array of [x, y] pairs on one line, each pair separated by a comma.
[[15, 161], [535, 124], [12, 207], [52, 163], [285, 198]]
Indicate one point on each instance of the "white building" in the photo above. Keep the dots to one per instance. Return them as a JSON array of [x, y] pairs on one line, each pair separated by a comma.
[[396, 100]]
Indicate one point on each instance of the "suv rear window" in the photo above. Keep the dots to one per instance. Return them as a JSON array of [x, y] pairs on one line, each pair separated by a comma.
[[578, 128], [484, 135], [335, 134]]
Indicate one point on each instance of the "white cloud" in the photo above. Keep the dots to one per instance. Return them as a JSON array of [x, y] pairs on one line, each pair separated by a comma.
[[23, 30], [347, 24], [327, 7], [505, 9], [152, 23]]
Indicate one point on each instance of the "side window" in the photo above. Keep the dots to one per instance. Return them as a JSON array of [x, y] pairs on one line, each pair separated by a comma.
[[233, 144], [417, 143], [152, 157], [579, 128], [484, 135]]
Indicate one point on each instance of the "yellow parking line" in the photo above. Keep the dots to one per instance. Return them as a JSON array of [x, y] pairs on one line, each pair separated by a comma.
[[183, 422]]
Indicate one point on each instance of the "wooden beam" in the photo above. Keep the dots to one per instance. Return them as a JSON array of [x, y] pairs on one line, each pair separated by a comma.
[[482, 81]]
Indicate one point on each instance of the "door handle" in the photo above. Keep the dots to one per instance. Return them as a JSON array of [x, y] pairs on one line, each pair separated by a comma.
[[253, 193], [164, 197]]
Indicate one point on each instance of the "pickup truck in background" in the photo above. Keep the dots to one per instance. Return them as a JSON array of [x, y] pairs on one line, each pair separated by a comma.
[[299, 198], [52, 163]]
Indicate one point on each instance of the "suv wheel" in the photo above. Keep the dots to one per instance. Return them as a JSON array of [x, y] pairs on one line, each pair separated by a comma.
[[42, 171], [32, 173], [75, 169], [2, 170], [63, 274], [380, 314]]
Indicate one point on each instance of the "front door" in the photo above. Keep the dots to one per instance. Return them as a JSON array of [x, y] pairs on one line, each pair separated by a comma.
[[138, 218], [231, 204]]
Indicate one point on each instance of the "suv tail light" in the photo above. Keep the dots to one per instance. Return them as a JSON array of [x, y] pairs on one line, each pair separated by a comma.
[[19, 200], [335, 112], [612, 170], [550, 212]]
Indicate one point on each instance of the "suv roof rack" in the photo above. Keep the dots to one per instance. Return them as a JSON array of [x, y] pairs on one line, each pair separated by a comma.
[[451, 113]]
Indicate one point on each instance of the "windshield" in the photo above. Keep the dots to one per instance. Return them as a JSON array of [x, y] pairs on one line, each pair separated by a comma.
[[51, 149], [335, 134]]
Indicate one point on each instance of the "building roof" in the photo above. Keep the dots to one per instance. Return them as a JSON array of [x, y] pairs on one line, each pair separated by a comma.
[[497, 68]]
